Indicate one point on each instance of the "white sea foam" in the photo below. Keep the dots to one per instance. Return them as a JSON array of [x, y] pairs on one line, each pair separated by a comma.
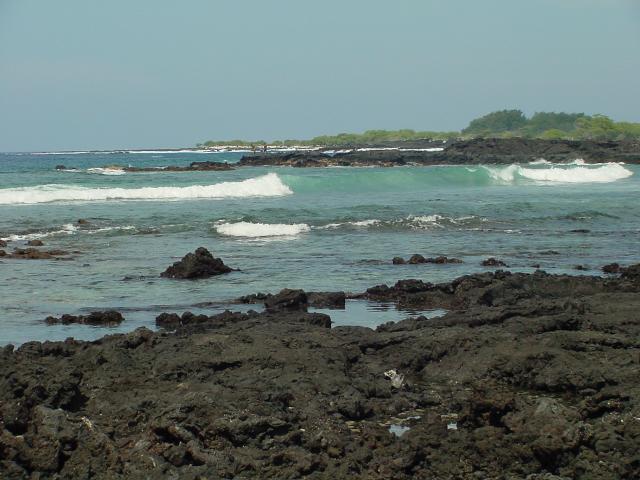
[[259, 230], [67, 229], [360, 223], [106, 171], [397, 149], [603, 173], [540, 161], [268, 185]]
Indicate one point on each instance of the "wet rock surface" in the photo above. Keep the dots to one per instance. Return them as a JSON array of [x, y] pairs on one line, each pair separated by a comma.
[[107, 318], [418, 259], [528, 376], [192, 167], [196, 265], [32, 253], [493, 262]]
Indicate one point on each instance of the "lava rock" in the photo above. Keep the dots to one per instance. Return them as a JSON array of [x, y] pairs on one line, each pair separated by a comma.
[[200, 264], [35, 254], [416, 259], [287, 299], [107, 318], [443, 260], [493, 262], [334, 300], [612, 268]]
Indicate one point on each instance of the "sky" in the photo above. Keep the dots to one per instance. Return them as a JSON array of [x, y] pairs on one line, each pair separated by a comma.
[[90, 74]]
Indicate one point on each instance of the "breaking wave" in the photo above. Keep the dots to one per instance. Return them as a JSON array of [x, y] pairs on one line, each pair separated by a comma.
[[268, 185], [260, 230], [578, 173]]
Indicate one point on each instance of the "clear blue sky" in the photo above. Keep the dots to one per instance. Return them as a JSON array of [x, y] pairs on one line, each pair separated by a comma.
[[78, 74]]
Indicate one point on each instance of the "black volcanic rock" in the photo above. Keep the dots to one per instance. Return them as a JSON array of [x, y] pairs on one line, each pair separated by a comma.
[[334, 300], [199, 264], [107, 318], [493, 262], [527, 376], [287, 299], [612, 268]]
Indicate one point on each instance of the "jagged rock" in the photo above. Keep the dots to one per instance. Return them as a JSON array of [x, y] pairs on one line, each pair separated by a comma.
[[287, 299], [35, 254], [326, 299], [416, 259], [107, 318], [3, 243], [493, 262], [612, 268], [200, 264]]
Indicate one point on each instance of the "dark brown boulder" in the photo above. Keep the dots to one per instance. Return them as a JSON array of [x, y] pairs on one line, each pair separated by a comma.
[[287, 299], [493, 262], [417, 258], [200, 264], [612, 268], [35, 243], [441, 260], [35, 254], [326, 299], [107, 318], [398, 261], [3, 243], [632, 272]]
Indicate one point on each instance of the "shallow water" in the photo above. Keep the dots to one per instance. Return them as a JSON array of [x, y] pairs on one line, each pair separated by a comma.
[[317, 229]]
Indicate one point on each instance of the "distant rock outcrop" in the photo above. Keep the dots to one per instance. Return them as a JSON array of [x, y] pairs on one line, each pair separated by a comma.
[[199, 264]]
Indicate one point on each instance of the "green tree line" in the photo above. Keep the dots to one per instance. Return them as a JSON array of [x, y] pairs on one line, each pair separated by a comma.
[[499, 124]]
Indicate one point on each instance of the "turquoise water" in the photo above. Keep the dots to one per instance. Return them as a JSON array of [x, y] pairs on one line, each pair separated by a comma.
[[317, 229]]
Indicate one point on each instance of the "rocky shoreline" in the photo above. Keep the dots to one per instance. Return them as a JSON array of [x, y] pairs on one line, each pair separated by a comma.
[[467, 152], [527, 376]]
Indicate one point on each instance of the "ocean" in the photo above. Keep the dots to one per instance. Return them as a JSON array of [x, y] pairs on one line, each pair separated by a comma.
[[322, 229]]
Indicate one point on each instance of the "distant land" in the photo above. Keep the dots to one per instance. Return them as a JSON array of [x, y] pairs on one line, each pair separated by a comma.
[[499, 124]]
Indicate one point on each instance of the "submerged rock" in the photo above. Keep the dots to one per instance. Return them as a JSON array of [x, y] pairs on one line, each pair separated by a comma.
[[3, 243], [107, 318], [493, 262], [35, 254], [200, 264], [35, 243], [419, 259]]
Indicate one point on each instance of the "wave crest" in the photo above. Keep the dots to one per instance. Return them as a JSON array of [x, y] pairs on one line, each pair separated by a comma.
[[268, 185], [578, 173]]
